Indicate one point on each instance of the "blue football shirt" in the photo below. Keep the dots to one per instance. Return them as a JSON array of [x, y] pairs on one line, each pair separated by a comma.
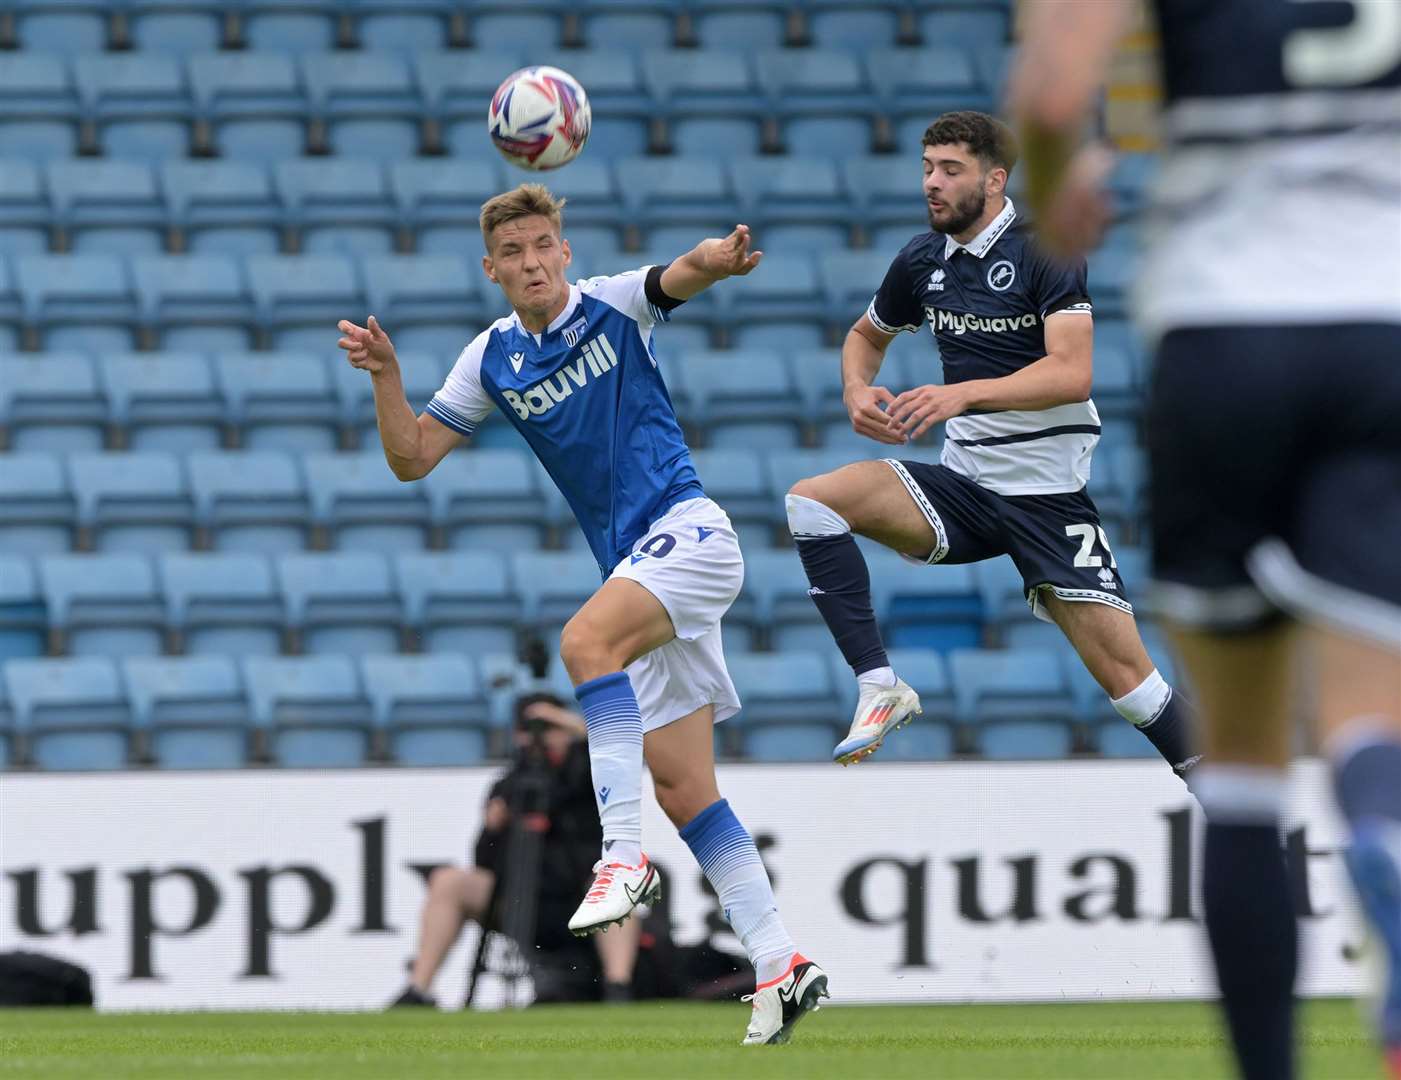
[[589, 399]]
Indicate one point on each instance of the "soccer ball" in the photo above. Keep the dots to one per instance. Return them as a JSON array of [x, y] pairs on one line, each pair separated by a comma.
[[539, 118]]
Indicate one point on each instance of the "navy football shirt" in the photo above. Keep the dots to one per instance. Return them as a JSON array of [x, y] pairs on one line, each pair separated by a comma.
[[987, 303], [590, 401]]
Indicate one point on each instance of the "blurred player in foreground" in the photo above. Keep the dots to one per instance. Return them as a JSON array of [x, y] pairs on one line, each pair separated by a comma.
[[1272, 287], [574, 369], [1016, 337]]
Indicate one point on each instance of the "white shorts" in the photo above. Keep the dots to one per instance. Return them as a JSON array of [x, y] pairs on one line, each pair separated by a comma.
[[691, 562]]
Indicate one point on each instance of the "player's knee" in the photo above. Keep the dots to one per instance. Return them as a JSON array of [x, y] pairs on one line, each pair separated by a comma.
[[586, 653], [683, 797], [811, 509], [444, 881]]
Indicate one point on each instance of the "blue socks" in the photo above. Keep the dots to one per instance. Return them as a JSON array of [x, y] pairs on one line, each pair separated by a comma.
[[615, 760], [731, 864]]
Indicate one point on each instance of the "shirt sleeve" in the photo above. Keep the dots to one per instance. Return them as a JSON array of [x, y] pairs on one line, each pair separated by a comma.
[[627, 292], [895, 307], [463, 402], [1059, 286]]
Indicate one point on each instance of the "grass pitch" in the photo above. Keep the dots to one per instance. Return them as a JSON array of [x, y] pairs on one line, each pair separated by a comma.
[[661, 1041]]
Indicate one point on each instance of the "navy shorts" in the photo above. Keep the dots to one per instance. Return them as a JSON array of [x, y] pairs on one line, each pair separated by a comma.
[[1056, 541], [1275, 472]]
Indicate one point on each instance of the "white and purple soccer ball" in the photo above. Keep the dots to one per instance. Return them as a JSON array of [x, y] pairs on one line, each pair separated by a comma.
[[539, 118]]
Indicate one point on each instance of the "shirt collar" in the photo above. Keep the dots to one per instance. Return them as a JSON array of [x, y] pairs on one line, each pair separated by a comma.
[[559, 320], [982, 243]]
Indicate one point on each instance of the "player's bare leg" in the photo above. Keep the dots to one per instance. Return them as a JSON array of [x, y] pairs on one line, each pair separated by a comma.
[[1109, 645], [869, 499], [456, 895], [617, 955], [1244, 685], [619, 623], [1359, 701], [681, 757]]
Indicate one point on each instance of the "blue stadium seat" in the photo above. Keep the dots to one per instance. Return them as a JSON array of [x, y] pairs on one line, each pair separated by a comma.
[[775, 604], [253, 101], [631, 28], [1115, 389], [368, 102], [1133, 566], [925, 82], [280, 400], [675, 191], [999, 583], [815, 82], [338, 205], [736, 479], [132, 501], [965, 26], [196, 302], [553, 585], [76, 301], [744, 397], [176, 26], [929, 607], [612, 77], [249, 500], [431, 708], [455, 84], [138, 103], [73, 26], [407, 26], [1130, 181], [311, 708], [300, 297], [484, 498], [361, 505], [36, 508], [786, 291], [850, 279], [72, 712], [103, 605], [38, 107], [788, 190], [796, 336], [814, 238], [690, 82], [787, 467], [789, 706], [853, 25], [612, 137], [221, 207], [422, 375], [432, 194], [300, 26], [11, 748], [340, 602], [458, 601], [51, 402], [24, 209], [716, 136], [191, 709], [740, 24], [508, 30], [22, 618], [1015, 702], [419, 291], [219, 603]]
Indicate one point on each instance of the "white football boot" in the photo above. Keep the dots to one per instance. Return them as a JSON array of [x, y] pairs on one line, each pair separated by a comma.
[[615, 892], [780, 1003], [879, 711]]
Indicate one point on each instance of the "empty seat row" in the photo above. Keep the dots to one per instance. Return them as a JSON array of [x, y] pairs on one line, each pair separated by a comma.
[[470, 600], [266, 106], [210, 302], [453, 709]]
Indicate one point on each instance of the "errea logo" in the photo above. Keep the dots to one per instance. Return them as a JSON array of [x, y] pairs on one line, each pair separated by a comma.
[[936, 282], [596, 359]]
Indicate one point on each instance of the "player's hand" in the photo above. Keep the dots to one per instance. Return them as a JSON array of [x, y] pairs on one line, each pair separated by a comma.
[[367, 347], [496, 816], [863, 405], [1075, 219], [731, 256], [915, 411]]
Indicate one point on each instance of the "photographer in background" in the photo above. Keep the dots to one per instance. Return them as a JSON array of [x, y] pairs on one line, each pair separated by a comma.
[[551, 764]]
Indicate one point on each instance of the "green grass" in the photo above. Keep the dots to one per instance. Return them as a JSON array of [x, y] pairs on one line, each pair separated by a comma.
[[661, 1041]]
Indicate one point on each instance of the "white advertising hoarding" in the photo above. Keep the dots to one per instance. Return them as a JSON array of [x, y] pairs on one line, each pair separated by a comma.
[[910, 883]]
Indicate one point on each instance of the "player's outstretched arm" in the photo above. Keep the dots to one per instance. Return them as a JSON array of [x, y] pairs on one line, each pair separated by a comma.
[[708, 262], [862, 354], [413, 445]]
